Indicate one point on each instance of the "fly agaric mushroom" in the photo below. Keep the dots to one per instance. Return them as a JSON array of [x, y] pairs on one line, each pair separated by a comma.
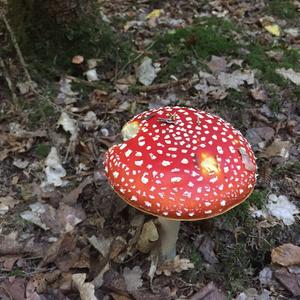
[[180, 164]]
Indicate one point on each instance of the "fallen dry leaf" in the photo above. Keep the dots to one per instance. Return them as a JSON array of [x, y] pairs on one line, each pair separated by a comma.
[[64, 218], [290, 281], [146, 73], [133, 278], [277, 148], [265, 276], [71, 197], [86, 289], [7, 262], [279, 207], [66, 243], [289, 74], [209, 292], [34, 215], [286, 255], [90, 121], [260, 135], [54, 171], [253, 294], [66, 95], [69, 125], [101, 244], [270, 26], [148, 235], [154, 14], [118, 245], [235, 79], [10, 245], [206, 247], [164, 293], [13, 288], [10, 143], [7, 203], [259, 93], [176, 265], [217, 64]]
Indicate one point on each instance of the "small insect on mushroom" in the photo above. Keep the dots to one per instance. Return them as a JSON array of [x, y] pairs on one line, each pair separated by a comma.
[[181, 164]]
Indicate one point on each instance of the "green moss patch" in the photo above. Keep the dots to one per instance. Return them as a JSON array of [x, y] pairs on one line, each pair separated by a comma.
[[188, 47], [282, 9]]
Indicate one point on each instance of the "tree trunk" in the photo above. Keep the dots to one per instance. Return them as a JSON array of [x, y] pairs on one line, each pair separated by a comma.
[[53, 31], [67, 11]]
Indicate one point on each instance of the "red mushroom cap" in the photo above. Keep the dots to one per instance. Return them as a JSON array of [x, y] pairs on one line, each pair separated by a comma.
[[181, 163]]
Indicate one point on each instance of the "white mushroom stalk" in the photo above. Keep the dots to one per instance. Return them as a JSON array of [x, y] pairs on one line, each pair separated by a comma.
[[168, 235], [179, 163]]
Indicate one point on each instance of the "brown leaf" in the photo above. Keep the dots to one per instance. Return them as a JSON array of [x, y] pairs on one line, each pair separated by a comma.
[[86, 289], [133, 278], [37, 284], [290, 281], [217, 64], [101, 244], [260, 134], [11, 144], [206, 246], [277, 148], [144, 294], [8, 262], [7, 203], [9, 245], [148, 235], [259, 93], [117, 296], [209, 292], [71, 197], [286, 255], [177, 265], [64, 219], [14, 288], [117, 246], [66, 243]]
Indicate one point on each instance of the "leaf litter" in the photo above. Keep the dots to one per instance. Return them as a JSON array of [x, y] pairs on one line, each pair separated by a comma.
[[82, 228]]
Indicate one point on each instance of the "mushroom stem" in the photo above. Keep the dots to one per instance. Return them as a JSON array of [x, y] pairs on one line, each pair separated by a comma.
[[168, 237]]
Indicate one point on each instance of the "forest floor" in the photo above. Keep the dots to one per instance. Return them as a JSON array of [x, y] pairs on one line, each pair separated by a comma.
[[65, 234]]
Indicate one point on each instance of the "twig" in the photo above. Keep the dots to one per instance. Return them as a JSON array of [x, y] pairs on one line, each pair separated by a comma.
[[132, 61], [7, 292], [166, 85], [26, 72], [85, 82], [9, 83], [29, 274], [16, 45]]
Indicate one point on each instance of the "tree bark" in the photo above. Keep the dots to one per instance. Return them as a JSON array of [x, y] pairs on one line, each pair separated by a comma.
[[53, 31]]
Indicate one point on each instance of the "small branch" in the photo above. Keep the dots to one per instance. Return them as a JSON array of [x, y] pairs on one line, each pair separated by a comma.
[[84, 82], [16, 45], [162, 86], [29, 274], [26, 72], [9, 83], [132, 61]]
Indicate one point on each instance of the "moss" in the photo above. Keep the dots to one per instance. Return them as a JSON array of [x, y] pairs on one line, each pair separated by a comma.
[[292, 167], [49, 47], [282, 9], [41, 150], [241, 212], [39, 112], [258, 59], [188, 47]]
